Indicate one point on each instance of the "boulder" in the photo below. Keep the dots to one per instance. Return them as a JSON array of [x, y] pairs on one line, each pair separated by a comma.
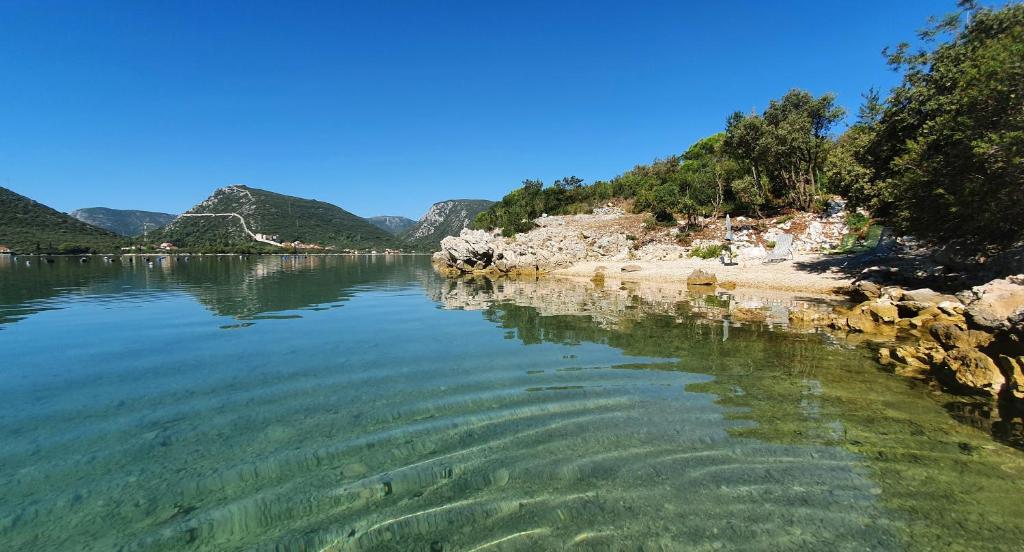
[[892, 293], [865, 290], [992, 305], [925, 295], [910, 309], [911, 356], [972, 370], [883, 311], [701, 278], [1013, 368], [857, 321], [951, 336], [924, 317], [471, 250], [630, 268], [951, 308]]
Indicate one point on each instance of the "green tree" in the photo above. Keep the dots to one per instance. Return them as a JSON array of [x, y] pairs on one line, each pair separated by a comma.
[[848, 168], [569, 183], [787, 146], [948, 156]]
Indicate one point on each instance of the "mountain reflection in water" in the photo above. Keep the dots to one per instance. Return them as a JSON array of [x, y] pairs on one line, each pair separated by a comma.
[[227, 403]]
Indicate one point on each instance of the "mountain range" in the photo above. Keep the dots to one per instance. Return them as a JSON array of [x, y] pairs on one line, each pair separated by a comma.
[[445, 218], [397, 225], [233, 218], [125, 222]]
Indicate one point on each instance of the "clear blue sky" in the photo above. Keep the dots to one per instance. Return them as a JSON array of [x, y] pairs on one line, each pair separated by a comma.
[[386, 107]]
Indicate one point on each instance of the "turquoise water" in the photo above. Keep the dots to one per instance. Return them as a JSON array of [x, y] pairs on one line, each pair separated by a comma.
[[358, 403]]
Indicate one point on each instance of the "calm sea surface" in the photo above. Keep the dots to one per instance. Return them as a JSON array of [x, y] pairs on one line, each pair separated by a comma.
[[357, 403]]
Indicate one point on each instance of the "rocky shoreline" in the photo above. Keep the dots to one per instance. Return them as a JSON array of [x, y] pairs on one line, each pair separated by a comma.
[[969, 343]]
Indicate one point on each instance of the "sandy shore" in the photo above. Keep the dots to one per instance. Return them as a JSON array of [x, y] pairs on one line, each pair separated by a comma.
[[790, 275]]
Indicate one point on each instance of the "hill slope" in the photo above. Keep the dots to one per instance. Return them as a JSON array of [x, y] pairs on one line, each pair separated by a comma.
[[27, 226], [126, 222], [394, 224], [241, 210], [445, 218]]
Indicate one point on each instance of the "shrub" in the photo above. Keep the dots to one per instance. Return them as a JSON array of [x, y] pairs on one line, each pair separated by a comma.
[[857, 222], [706, 251]]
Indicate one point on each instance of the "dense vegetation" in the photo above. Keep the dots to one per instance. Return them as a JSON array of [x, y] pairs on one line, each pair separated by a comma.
[[125, 222], [772, 160], [30, 227], [287, 217], [944, 156], [941, 157]]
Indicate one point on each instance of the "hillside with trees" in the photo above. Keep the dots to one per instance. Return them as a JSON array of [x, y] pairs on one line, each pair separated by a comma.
[[27, 226], [941, 157], [216, 224]]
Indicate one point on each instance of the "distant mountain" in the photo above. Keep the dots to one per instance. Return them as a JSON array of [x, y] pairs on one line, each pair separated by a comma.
[[125, 222], [446, 218], [27, 226], [232, 216], [394, 224]]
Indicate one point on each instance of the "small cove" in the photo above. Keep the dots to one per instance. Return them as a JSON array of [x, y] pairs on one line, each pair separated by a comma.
[[366, 403]]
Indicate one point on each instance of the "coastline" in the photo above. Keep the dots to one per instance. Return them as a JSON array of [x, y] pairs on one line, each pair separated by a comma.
[[750, 274]]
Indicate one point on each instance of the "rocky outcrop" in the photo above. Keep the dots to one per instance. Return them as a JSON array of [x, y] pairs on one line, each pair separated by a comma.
[[557, 242], [995, 305], [977, 347], [443, 219]]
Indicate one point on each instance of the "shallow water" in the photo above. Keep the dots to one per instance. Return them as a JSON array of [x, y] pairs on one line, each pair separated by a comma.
[[357, 403]]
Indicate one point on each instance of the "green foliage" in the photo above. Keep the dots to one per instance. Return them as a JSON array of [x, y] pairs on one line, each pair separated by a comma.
[[73, 249], [659, 198], [786, 148], [516, 211], [857, 222], [710, 251], [947, 156]]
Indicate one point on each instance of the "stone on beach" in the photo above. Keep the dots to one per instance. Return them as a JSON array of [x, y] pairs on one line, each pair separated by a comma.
[[701, 277]]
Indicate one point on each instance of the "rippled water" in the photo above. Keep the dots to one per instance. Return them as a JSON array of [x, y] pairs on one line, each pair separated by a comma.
[[357, 403]]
